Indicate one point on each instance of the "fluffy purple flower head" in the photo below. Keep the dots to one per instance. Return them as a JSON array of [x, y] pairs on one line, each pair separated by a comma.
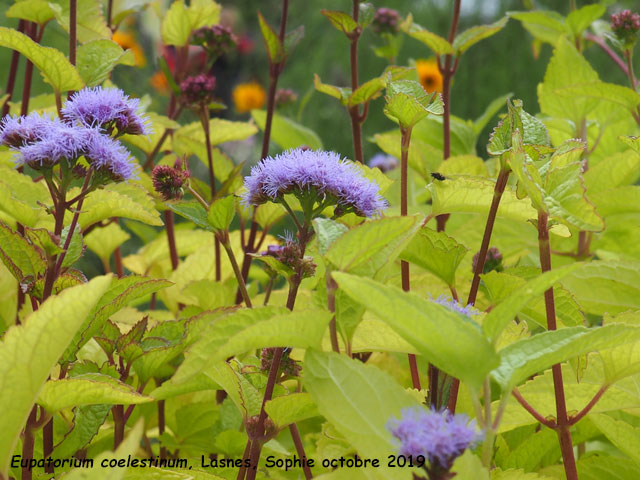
[[439, 436], [383, 162], [60, 142], [106, 109], [333, 180], [20, 131], [109, 157], [455, 306]]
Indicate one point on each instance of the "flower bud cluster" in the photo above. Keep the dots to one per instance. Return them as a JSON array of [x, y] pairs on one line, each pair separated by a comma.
[[215, 39], [386, 20], [289, 367], [626, 26], [198, 90], [169, 181], [493, 261]]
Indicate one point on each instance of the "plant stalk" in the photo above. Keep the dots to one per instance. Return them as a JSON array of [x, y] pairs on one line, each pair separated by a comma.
[[563, 429], [404, 266], [354, 112], [13, 70]]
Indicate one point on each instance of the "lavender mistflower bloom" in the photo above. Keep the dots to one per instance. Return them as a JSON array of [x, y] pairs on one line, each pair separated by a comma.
[[455, 306], [438, 436], [106, 108], [109, 156], [333, 180], [20, 131], [383, 162], [59, 142]]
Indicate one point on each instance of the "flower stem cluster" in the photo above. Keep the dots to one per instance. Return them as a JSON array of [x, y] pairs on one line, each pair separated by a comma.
[[439, 437], [626, 26], [292, 255], [318, 179], [90, 121]]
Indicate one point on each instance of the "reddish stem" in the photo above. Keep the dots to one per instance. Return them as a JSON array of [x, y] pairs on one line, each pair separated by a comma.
[[564, 427], [73, 25], [608, 50], [13, 70], [28, 73], [576, 418], [534, 413]]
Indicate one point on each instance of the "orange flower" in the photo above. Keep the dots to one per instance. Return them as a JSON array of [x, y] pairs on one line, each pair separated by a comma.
[[159, 82], [429, 75], [128, 42], [248, 96]]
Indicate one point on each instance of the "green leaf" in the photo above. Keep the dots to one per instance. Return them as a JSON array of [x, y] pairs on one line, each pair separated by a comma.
[[566, 68], [579, 20], [501, 315], [193, 211], [492, 109], [292, 38], [598, 467], [127, 449], [610, 92], [121, 292], [545, 25], [367, 248], [103, 241], [606, 286], [119, 200], [179, 21], [21, 198], [98, 58], [53, 65], [436, 252], [221, 213], [275, 265], [28, 353], [620, 433], [621, 168], [90, 22], [87, 421], [37, 11], [523, 168], [449, 340], [287, 133], [87, 389], [25, 261], [327, 232], [291, 408], [358, 400], [341, 94], [466, 194], [221, 131], [531, 355], [408, 103], [437, 44], [275, 49], [473, 35], [302, 330], [366, 14], [269, 213], [367, 91], [341, 21]]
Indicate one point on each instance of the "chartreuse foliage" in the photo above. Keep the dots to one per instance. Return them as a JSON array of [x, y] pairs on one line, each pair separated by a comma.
[[165, 360]]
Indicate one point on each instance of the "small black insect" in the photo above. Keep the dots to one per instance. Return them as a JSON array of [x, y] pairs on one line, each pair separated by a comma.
[[438, 176]]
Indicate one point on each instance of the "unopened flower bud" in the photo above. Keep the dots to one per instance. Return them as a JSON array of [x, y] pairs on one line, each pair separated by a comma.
[[215, 39], [198, 90], [285, 96], [386, 20], [169, 181], [626, 25], [493, 261]]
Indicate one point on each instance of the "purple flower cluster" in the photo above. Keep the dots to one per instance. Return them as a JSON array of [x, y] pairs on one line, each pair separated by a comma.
[[42, 141], [198, 90], [169, 181], [383, 162], [333, 181], [285, 96], [386, 20], [492, 261], [439, 436], [455, 306], [626, 26], [105, 109]]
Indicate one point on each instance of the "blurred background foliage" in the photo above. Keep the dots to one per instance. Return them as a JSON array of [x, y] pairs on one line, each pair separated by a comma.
[[506, 62]]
